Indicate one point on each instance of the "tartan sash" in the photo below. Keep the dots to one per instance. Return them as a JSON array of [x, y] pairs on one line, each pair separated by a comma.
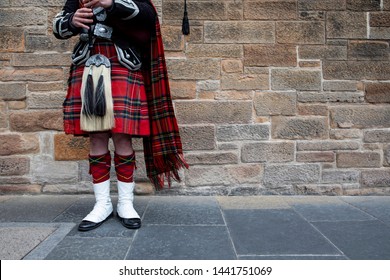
[[163, 148]]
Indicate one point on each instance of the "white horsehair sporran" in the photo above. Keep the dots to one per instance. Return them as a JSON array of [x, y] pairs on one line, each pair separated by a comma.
[[97, 113]]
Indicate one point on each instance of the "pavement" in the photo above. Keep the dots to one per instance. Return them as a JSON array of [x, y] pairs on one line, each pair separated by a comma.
[[44, 227]]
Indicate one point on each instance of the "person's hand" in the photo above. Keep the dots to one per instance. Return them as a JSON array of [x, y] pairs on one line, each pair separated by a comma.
[[82, 18], [97, 3]]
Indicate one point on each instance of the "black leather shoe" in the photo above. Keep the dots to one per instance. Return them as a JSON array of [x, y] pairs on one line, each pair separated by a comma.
[[132, 223], [88, 225]]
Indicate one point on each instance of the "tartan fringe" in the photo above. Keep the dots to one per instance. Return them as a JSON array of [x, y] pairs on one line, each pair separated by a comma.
[[167, 167]]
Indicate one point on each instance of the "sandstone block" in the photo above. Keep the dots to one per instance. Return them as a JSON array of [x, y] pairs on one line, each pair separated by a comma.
[[386, 5], [341, 134], [193, 112], [380, 33], [242, 132], [275, 103], [268, 152], [360, 116], [325, 97], [208, 85], [11, 166], [45, 170], [340, 86], [211, 158], [12, 39], [270, 10], [45, 87], [206, 176], [52, 100], [232, 66], [328, 52], [36, 60], [234, 95], [375, 178], [68, 147], [32, 121], [270, 55], [377, 136], [12, 91], [239, 32], [295, 79], [280, 174], [172, 38], [380, 19], [25, 16], [203, 10], [299, 127], [356, 70], [37, 3], [35, 42], [245, 174], [347, 25], [238, 81], [316, 157], [198, 137], [326, 145], [312, 110], [37, 74], [305, 32], [3, 115], [183, 89], [340, 176], [368, 50], [377, 92], [309, 64], [386, 155], [358, 159], [214, 50], [194, 69], [363, 5], [17, 105], [322, 5], [312, 15], [20, 189], [12, 144]]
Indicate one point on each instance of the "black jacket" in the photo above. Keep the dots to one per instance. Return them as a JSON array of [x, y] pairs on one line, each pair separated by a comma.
[[129, 27]]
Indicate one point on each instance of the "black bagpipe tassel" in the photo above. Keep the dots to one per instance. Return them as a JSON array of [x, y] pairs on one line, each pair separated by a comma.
[[186, 24], [88, 106], [100, 99]]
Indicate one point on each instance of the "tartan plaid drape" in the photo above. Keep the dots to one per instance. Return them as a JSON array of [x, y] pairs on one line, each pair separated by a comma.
[[163, 148]]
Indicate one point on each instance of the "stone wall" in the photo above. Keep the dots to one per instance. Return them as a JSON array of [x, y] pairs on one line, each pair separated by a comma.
[[272, 97]]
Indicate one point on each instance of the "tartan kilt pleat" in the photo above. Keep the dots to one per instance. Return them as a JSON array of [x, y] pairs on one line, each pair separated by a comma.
[[128, 92]]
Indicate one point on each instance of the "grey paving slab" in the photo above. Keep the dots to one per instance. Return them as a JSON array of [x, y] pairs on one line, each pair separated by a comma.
[[327, 209], [182, 210], [17, 241], [363, 240], [252, 202], [46, 246], [174, 242], [377, 206], [77, 211], [293, 257], [89, 248], [275, 232], [42, 208]]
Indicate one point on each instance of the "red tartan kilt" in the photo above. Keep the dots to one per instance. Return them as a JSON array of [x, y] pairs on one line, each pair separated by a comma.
[[128, 92]]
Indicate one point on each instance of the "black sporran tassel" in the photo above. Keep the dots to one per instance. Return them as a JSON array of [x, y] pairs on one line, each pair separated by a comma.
[[100, 99], [88, 106], [186, 24]]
